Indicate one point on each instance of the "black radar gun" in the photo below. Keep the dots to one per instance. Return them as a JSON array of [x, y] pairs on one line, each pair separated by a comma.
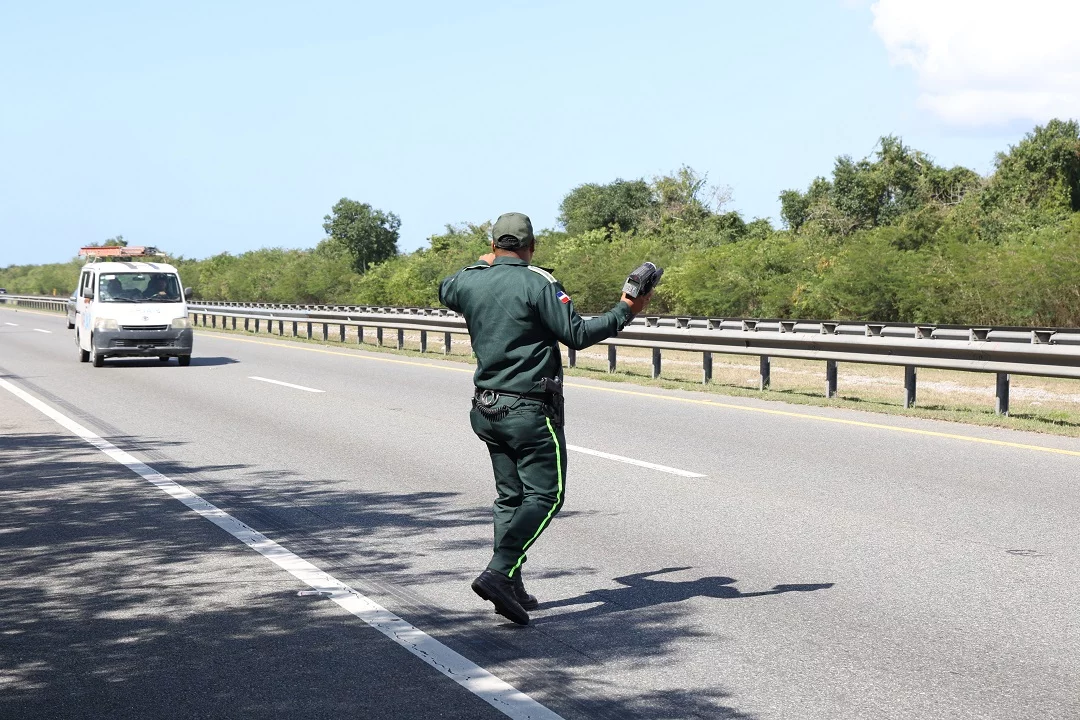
[[642, 280]]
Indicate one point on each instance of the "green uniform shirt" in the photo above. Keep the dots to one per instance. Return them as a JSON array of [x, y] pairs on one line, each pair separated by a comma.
[[517, 315]]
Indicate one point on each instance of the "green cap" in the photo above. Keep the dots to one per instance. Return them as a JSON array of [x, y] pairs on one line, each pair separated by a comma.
[[512, 231]]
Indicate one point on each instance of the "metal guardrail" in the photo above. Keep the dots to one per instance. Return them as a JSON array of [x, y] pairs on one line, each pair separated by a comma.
[[1047, 352], [35, 302], [1005, 351]]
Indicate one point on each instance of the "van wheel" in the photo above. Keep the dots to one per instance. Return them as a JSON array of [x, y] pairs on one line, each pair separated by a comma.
[[163, 358], [184, 360], [84, 355], [71, 326], [95, 357]]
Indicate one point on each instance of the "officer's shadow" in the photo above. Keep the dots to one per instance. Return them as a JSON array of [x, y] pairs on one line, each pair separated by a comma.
[[641, 591]]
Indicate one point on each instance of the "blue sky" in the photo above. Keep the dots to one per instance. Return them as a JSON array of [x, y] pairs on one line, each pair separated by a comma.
[[211, 127]]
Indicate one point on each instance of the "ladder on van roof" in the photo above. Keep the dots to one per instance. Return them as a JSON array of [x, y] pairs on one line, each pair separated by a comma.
[[93, 253]]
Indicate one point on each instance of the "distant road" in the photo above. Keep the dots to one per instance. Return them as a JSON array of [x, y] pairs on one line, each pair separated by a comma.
[[716, 557]]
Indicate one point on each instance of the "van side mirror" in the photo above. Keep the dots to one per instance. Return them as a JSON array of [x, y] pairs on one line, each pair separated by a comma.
[[189, 294], [88, 292]]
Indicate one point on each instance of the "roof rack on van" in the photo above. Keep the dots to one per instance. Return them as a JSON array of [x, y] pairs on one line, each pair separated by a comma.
[[114, 251]]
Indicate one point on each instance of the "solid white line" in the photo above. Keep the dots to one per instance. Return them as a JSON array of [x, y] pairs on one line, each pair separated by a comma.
[[48, 332], [632, 461], [498, 693], [278, 382]]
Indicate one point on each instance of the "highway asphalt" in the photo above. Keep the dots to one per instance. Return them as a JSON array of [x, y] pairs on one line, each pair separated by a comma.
[[823, 563]]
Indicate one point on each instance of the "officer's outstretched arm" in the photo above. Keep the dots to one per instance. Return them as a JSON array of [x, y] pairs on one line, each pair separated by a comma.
[[557, 313]]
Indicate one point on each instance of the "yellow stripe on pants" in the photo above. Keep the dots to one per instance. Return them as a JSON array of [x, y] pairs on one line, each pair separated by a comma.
[[558, 500]]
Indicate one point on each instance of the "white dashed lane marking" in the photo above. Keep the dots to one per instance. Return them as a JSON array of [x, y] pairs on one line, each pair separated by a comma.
[[284, 384], [632, 461], [47, 332]]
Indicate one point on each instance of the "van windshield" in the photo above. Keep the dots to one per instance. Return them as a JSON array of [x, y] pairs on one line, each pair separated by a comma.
[[138, 287]]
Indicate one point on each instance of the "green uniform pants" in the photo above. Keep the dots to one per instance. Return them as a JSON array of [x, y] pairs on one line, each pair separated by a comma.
[[528, 455]]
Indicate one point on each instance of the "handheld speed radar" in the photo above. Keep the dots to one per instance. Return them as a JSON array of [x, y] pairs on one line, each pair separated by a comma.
[[642, 280]]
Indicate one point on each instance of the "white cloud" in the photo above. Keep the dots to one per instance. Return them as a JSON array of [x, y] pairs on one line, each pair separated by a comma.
[[987, 62]]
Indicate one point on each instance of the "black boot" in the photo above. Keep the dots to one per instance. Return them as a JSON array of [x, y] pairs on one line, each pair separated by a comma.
[[499, 590], [527, 601]]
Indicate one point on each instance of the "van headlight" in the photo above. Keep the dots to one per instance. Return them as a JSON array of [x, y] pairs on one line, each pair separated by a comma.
[[181, 323], [106, 324]]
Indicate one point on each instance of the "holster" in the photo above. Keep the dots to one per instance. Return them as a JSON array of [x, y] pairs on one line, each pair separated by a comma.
[[553, 406], [554, 410]]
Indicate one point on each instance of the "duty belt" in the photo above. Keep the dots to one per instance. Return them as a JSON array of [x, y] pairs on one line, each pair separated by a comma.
[[490, 397], [485, 400]]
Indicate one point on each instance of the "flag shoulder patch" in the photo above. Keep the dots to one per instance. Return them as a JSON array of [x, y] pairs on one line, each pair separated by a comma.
[[563, 297]]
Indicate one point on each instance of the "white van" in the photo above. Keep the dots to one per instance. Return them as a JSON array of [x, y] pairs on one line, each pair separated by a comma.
[[131, 309]]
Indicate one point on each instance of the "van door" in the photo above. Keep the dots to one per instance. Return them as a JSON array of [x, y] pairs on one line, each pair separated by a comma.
[[82, 309]]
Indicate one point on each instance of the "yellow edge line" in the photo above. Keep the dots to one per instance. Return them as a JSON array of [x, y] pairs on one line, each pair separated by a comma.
[[675, 398], [840, 421]]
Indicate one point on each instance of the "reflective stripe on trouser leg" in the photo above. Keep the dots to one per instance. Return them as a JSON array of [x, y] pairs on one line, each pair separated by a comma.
[[554, 508]]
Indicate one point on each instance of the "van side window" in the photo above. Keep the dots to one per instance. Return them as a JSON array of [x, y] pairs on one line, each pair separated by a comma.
[[86, 283]]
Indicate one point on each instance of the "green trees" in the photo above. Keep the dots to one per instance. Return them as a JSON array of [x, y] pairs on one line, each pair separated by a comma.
[[621, 204], [890, 237], [413, 280], [56, 278], [1036, 183], [324, 274], [681, 199], [885, 190], [370, 235]]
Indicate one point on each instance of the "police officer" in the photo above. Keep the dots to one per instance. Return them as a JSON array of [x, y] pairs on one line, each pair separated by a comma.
[[517, 315]]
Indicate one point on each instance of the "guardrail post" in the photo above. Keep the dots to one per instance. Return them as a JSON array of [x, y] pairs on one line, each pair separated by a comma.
[[325, 331], [909, 386], [400, 339], [309, 331], [246, 320], [359, 334], [378, 336], [655, 363], [612, 355], [342, 333], [765, 370], [280, 328], [423, 341], [571, 356], [446, 343], [257, 326], [295, 329], [234, 322], [706, 368], [830, 378], [1001, 404], [204, 320]]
